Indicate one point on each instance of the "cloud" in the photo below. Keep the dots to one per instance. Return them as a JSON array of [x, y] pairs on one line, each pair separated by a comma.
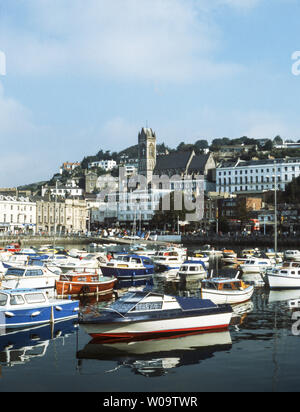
[[161, 40]]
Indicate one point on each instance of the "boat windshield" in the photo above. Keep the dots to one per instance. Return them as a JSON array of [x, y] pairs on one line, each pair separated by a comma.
[[3, 299], [194, 268], [122, 307], [34, 272], [15, 272]]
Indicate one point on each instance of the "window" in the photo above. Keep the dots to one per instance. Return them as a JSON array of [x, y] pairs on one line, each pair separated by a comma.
[[16, 300], [148, 306], [15, 272], [34, 272], [35, 298], [3, 299]]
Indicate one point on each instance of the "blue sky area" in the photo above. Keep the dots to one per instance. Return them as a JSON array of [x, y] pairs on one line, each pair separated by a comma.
[[85, 75]]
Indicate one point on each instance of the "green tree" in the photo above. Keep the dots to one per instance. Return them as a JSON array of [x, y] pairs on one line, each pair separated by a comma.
[[278, 140]]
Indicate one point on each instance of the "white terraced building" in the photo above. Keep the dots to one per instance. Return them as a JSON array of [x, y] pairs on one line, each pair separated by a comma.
[[17, 215], [256, 175]]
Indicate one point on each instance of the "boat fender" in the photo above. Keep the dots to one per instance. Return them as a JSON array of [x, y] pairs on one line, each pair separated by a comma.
[[35, 313], [9, 314]]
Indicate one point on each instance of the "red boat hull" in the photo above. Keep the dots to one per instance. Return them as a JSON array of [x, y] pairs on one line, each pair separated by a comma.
[[78, 288]]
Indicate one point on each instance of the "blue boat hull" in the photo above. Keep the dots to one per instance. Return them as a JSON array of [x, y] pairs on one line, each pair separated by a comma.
[[38, 315], [124, 273]]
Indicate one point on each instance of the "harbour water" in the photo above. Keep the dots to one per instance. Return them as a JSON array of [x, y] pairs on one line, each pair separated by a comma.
[[258, 353]]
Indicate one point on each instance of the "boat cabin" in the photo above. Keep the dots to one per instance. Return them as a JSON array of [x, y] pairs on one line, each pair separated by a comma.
[[150, 301], [164, 253], [257, 261], [16, 298], [27, 271], [292, 253], [223, 284], [79, 277], [290, 265], [286, 272], [192, 267], [124, 261]]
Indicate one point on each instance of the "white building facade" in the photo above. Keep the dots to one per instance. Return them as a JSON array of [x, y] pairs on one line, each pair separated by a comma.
[[17, 215], [104, 164], [257, 175], [62, 191]]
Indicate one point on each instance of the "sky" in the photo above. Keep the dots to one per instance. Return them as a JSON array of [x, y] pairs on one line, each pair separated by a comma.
[[85, 75]]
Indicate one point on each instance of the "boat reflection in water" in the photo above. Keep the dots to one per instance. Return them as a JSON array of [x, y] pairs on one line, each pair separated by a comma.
[[22, 345], [131, 283], [155, 357], [289, 298]]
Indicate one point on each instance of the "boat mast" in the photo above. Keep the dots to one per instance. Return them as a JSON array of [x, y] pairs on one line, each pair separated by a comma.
[[275, 211], [55, 213]]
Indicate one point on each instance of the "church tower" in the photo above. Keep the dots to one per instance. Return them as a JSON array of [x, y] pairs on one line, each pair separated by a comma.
[[147, 153]]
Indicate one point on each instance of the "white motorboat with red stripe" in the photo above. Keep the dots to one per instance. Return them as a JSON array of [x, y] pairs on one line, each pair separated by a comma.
[[147, 313]]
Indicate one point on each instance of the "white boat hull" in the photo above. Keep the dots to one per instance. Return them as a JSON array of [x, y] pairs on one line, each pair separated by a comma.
[[230, 297], [186, 324], [283, 282], [254, 268], [30, 282]]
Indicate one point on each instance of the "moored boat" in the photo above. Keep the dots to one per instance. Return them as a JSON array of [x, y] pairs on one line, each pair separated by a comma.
[[209, 251], [166, 263], [229, 256], [168, 259], [151, 314], [192, 269], [13, 247], [76, 283], [293, 255], [256, 265], [28, 277], [29, 307], [128, 267], [226, 290], [287, 277]]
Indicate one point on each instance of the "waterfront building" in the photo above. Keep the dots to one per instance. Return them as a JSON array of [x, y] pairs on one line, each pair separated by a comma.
[[50, 216], [256, 176], [17, 215], [76, 215]]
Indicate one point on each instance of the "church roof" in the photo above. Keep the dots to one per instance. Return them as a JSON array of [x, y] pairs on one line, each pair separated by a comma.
[[198, 163], [177, 160], [180, 160]]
